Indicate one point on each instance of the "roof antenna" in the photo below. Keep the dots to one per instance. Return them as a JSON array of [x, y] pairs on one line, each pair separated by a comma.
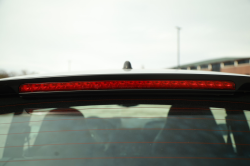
[[127, 65]]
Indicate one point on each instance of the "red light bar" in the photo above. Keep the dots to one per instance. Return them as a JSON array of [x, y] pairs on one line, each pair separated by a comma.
[[125, 84]]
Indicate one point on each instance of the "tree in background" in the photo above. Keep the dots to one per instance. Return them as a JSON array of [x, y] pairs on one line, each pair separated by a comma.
[[4, 74]]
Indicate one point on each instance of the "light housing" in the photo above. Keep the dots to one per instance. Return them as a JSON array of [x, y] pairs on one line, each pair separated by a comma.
[[126, 84]]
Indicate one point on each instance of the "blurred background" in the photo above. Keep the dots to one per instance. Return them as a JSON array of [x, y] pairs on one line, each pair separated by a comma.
[[45, 36]]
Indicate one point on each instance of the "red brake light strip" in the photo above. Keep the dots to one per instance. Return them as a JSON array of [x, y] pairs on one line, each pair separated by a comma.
[[126, 84]]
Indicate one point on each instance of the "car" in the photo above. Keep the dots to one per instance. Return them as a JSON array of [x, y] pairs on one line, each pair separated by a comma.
[[125, 117]]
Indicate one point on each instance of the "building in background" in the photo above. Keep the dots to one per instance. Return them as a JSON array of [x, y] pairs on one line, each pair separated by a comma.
[[237, 65]]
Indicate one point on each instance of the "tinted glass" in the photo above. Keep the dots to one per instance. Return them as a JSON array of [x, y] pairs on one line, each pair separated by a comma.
[[193, 67], [216, 67], [204, 66], [140, 134], [230, 63], [243, 61]]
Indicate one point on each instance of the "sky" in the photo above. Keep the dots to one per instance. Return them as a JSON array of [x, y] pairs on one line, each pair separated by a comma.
[[47, 35]]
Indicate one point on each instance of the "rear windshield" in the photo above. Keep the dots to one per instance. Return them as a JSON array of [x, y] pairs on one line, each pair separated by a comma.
[[116, 134]]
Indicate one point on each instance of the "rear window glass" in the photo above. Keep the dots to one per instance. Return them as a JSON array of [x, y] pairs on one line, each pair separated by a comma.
[[143, 134]]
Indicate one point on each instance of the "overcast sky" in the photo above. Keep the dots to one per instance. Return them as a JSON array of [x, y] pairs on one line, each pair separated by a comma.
[[43, 35]]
